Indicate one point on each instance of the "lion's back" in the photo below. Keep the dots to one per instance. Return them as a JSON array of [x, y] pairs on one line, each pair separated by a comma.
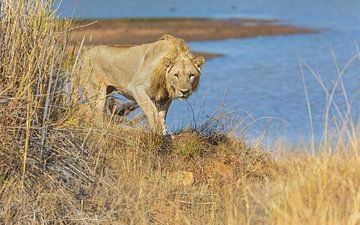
[[140, 65], [115, 66]]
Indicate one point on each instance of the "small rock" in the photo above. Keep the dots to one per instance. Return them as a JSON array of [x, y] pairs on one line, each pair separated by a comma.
[[182, 178]]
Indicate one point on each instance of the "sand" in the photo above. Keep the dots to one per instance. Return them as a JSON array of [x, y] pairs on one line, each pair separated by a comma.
[[139, 31]]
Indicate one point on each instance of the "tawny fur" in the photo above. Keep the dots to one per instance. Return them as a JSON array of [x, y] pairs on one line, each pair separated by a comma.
[[141, 73]]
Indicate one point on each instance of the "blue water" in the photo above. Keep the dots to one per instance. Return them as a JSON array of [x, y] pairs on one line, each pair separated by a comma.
[[258, 81]]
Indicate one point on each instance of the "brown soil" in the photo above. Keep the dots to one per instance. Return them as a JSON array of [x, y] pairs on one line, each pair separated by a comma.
[[138, 31], [207, 158]]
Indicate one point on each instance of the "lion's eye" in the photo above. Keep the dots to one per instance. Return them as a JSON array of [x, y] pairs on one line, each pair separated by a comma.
[[176, 75], [192, 76]]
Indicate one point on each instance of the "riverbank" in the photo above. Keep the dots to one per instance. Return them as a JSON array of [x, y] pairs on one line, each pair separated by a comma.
[[139, 31]]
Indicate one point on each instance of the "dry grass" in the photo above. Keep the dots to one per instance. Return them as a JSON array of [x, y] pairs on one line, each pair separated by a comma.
[[53, 171]]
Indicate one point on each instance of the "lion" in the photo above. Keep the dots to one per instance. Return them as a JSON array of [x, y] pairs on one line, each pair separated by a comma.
[[152, 75]]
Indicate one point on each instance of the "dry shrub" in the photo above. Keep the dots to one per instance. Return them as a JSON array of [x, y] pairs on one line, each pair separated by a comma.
[[33, 75]]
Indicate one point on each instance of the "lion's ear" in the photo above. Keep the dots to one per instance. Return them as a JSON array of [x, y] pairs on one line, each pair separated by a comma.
[[199, 62]]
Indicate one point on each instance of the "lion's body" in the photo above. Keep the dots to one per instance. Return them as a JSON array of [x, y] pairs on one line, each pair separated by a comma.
[[137, 72]]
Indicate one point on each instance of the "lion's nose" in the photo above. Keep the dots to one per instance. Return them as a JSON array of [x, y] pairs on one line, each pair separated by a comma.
[[185, 92]]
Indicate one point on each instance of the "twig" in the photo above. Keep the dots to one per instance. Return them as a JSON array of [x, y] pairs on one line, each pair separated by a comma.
[[309, 110], [82, 26], [197, 203], [46, 110], [4, 101]]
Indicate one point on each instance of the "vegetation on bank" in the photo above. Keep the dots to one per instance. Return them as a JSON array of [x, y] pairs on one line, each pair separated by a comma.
[[57, 169], [140, 19]]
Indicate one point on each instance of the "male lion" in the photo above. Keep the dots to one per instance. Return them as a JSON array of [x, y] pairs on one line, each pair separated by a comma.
[[151, 74]]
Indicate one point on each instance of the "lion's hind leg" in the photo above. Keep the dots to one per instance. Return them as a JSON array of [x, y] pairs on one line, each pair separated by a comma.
[[115, 106], [95, 99], [121, 109]]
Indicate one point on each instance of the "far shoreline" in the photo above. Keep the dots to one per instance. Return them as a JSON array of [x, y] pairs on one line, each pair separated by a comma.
[[134, 31]]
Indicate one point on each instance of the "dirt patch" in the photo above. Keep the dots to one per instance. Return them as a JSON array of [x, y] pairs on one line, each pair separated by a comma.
[[196, 157]]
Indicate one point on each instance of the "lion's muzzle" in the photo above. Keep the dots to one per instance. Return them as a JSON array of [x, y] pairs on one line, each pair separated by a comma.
[[184, 93]]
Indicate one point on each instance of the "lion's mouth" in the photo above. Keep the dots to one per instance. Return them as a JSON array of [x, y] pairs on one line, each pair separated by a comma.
[[184, 96]]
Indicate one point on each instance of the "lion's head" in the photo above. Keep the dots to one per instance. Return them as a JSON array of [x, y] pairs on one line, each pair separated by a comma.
[[183, 75], [178, 74]]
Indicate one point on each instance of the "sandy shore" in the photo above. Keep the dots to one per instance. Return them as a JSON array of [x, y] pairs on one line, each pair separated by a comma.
[[138, 31]]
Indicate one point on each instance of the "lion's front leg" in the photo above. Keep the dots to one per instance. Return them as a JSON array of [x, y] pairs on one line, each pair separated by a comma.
[[163, 108], [148, 107]]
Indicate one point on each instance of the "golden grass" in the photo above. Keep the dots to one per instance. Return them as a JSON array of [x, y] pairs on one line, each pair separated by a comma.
[[53, 171]]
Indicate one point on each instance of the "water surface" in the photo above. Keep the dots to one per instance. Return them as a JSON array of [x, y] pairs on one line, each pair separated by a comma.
[[259, 79]]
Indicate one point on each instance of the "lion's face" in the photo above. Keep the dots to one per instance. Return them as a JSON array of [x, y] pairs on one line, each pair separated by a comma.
[[183, 76]]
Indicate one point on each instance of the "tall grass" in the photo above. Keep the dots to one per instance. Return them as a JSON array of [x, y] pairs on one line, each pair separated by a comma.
[[54, 171], [33, 71], [342, 129]]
